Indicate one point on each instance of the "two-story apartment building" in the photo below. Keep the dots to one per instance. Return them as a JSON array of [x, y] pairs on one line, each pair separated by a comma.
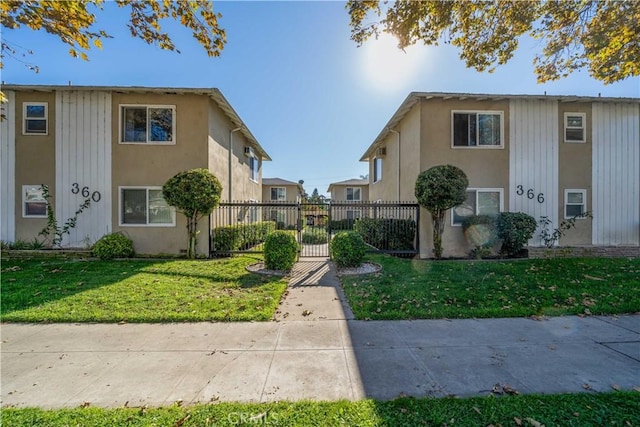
[[552, 156], [351, 191], [278, 190], [118, 146]]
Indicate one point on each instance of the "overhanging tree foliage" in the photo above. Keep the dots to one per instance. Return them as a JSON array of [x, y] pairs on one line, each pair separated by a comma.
[[603, 36], [439, 189], [195, 193]]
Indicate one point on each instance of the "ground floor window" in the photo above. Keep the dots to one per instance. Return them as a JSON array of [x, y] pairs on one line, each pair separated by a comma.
[[34, 204], [145, 206], [480, 201], [575, 203], [354, 214]]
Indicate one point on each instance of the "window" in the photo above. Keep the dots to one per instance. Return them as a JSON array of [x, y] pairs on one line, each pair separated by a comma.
[[575, 203], [276, 215], [477, 129], [145, 206], [254, 166], [278, 193], [574, 127], [353, 194], [35, 118], [377, 169], [480, 201], [34, 204], [141, 124], [354, 214]]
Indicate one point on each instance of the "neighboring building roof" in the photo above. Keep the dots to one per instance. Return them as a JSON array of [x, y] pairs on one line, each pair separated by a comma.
[[213, 93], [280, 181], [349, 182], [414, 97]]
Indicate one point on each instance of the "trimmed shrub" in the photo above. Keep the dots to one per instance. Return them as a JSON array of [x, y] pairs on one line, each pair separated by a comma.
[[315, 236], [480, 232], [113, 245], [280, 250], [387, 233], [514, 229], [342, 224], [348, 249], [237, 237]]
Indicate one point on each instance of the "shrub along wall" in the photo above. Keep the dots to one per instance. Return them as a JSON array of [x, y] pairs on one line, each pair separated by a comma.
[[239, 237], [387, 234]]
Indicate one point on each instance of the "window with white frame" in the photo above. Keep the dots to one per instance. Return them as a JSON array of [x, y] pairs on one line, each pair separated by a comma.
[[253, 212], [254, 166], [147, 124], [34, 205], [354, 194], [575, 203], [145, 206], [477, 129], [278, 193], [35, 118], [377, 169], [480, 201], [276, 215], [574, 127]]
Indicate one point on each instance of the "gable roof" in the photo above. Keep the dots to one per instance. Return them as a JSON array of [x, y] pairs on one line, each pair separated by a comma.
[[280, 181], [414, 97], [353, 182], [212, 93]]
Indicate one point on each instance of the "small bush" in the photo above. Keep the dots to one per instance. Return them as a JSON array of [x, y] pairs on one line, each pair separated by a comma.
[[114, 245], [514, 229], [280, 250], [387, 233], [315, 236], [480, 232], [237, 237], [348, 249]]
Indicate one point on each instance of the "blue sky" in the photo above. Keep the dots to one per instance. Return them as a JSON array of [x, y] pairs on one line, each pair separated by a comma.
[[312, 98]]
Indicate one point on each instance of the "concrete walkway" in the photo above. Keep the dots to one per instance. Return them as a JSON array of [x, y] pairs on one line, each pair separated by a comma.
[[324, 355]]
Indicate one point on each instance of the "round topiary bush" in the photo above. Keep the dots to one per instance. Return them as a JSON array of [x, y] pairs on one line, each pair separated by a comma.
[[348, 249], [280, 250], [114, 245]]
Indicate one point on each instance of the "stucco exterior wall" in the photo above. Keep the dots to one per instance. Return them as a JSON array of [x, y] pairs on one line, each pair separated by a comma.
[[153, 164], [575, 171], [34, 161], [484, 167], [339, 192]]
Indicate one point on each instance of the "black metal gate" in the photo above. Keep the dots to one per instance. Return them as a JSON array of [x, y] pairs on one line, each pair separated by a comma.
[[387, 227]]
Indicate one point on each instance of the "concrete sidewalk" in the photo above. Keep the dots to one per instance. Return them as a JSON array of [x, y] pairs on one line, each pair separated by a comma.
[[332, 357]]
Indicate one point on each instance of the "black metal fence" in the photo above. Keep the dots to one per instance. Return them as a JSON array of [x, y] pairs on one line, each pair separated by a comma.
[[387, 227]]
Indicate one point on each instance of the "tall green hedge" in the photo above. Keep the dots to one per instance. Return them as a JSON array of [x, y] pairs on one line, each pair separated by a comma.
[[387, 233], [243, 236], [342, 224]]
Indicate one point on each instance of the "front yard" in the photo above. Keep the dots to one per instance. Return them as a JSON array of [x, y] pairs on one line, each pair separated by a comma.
[[48, 290], [412, 289]]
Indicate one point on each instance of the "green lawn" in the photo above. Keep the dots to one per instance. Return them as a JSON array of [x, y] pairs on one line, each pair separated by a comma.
[[414, 289], [611, 409], [47, 290]]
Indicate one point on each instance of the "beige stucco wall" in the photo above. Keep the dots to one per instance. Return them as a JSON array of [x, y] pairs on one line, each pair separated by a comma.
[[339, 192], [35, 161], [484, 167], [292, 192], [575, 171], [153, 164]]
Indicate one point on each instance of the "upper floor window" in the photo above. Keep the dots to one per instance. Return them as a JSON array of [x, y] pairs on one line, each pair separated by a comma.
[[480, 201], [377, 169], [254, 166], [34, 205], [574, 127], [353, 194], [142, 124], [35, 118], [145, 206], [477, 129], [278, 193]]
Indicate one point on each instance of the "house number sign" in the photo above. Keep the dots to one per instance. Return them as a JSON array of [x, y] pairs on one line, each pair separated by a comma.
[[531, 194], [86, 193]]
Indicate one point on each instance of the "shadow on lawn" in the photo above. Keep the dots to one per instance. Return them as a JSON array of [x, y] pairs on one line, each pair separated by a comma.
[[31, 283]]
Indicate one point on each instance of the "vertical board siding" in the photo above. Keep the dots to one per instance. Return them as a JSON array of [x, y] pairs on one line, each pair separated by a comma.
[[616, 174], [83, 156], [8, 169], [533, 159]]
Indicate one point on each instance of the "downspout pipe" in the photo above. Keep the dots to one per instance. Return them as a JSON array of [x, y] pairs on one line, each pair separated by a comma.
[[398, 168]]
